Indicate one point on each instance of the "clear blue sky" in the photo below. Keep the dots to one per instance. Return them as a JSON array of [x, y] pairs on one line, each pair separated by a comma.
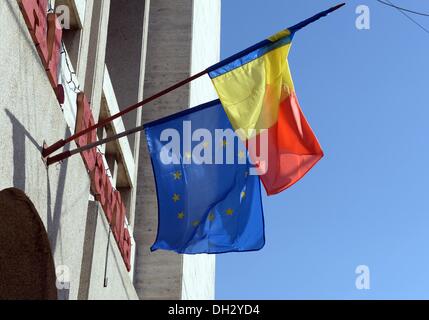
[[366, 96]]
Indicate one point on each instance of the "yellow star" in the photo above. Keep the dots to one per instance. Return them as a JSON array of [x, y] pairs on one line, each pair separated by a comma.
[[177, 175], [230, 212], [211, 217], [206, 144], [224, 143], [241, 155], [181, 215], [243, 194], [188, 155], [196, 223], [176, 197]]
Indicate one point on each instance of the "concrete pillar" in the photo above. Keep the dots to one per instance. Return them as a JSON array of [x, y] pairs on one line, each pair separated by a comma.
[[96, 55], [159, 275], [88, 250], [81, 60]]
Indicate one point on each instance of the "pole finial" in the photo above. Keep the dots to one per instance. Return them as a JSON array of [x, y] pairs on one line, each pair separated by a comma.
[[339, 6]]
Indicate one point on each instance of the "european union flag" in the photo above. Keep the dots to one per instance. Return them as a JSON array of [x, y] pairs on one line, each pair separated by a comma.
[[208, 200]]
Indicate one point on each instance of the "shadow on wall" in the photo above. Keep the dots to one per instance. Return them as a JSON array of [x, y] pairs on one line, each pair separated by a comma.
[[54, 212], [54, 221], [20, 134], [18, 140]]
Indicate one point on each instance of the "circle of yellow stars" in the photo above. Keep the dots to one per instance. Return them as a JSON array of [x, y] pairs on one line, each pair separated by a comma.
[[177, 175]]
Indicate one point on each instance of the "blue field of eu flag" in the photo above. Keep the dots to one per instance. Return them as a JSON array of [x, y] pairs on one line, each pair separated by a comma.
[[203, 206]]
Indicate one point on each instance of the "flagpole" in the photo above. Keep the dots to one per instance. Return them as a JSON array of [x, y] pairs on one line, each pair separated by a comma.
[[67, 154], [61, 143], [316, 17]]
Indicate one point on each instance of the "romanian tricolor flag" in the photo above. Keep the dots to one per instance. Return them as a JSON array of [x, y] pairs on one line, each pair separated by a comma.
[[257, 92]]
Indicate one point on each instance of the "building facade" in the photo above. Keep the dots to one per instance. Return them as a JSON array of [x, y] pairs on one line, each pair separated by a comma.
[[99, 209]]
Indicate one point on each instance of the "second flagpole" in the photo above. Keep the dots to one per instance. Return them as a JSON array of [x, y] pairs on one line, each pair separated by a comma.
[[61, 143], [67, 154]]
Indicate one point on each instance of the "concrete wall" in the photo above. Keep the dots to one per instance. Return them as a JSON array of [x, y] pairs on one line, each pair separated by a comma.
[[205, 48], [29, 115]]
